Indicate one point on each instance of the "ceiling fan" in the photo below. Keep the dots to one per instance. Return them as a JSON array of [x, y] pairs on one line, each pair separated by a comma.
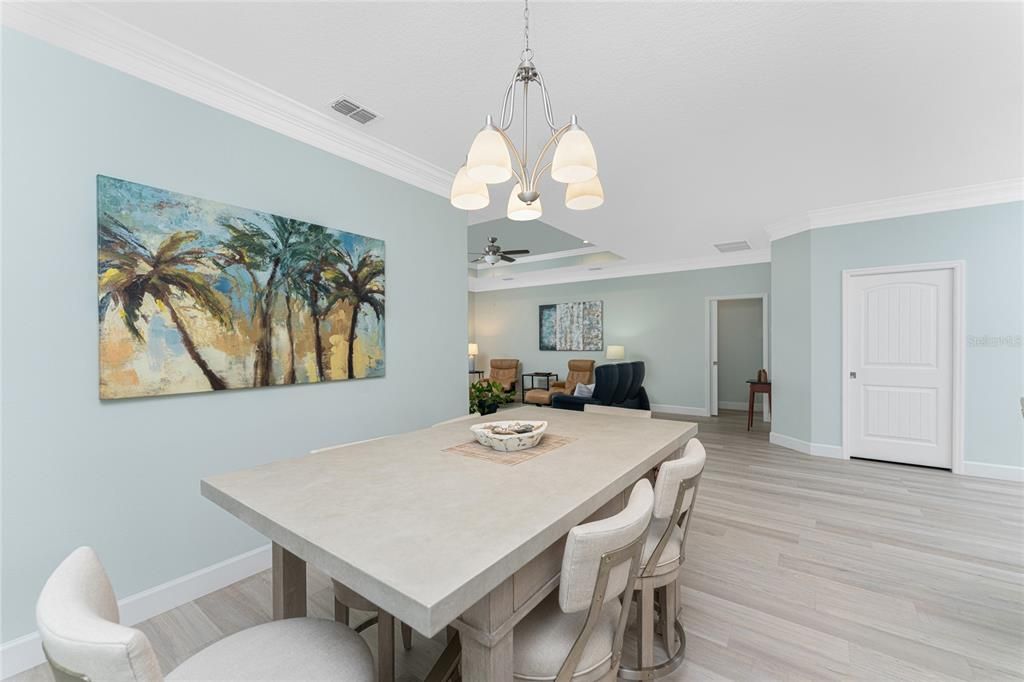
[[493, 253]]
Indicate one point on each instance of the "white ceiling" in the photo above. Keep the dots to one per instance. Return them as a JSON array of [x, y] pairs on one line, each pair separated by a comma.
[[710, 120]]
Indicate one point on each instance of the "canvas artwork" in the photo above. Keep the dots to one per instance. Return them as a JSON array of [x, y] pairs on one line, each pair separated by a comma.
[[572, 326], [196, 295]]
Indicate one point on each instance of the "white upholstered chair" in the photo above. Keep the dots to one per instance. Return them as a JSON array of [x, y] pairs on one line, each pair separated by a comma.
[[78, 618], [675, 491], [617, 411], [576, 633]]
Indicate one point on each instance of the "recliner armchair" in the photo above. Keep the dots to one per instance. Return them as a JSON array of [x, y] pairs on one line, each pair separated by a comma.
[[580, 372], [505, 371]]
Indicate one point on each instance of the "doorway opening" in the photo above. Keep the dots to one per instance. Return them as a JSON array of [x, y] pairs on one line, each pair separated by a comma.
[[736, 348]]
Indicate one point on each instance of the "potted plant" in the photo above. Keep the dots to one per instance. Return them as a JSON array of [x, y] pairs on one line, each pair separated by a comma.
[[485, 396]]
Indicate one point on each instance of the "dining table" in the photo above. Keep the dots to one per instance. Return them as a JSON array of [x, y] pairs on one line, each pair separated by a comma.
[[437, 534]]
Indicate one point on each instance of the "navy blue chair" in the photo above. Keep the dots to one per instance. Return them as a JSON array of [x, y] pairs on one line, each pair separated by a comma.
[[636, 397]]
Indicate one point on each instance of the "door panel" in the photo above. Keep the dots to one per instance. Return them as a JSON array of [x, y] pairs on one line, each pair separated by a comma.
[[714, 358], [900, 352]]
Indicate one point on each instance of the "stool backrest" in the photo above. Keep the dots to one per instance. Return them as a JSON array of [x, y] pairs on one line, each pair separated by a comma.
[[78, 618], [617, 411], [600, 565], [675, 490]]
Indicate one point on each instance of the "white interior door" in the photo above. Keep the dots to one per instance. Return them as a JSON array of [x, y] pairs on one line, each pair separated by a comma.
[[713, 345], [899, 340]]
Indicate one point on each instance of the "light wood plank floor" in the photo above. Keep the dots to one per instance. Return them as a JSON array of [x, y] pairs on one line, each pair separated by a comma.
[[797, 567]]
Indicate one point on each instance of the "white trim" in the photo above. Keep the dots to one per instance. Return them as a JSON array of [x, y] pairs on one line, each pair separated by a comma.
[[96, 35], [1001, 472], [26, 651], [615, 269], [969, 196], [731, 405], [765, 357], [554, 255], [959, 269], [680, 409], [816, 449]]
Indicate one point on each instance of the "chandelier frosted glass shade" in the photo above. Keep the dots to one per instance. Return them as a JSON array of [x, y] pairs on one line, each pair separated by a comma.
[[575, 160], [581, 196], [488, 159], [467, 193], [518, 210]]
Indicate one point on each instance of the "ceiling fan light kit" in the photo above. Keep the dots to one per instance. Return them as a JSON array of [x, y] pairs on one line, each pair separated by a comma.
[[490, 158]]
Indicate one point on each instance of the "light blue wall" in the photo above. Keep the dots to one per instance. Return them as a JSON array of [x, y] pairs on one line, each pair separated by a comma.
[[659, 318], [791, 336], [124, 476], [740, 348], [989, 239]]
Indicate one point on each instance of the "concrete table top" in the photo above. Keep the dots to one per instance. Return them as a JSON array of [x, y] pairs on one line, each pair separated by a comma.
[[424, 533]]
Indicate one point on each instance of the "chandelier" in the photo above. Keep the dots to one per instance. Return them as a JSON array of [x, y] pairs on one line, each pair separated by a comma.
[[490, 157]]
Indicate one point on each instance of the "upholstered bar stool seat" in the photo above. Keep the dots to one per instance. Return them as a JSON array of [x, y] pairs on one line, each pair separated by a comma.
[[82, 637], [292, 649], [669, 559], [543, 640]]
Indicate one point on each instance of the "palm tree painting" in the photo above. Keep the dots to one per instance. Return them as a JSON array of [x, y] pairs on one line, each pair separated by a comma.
[[196, 295]]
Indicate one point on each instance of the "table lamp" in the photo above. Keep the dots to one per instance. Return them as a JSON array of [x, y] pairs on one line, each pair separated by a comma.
[[474, 351], [615, 353]]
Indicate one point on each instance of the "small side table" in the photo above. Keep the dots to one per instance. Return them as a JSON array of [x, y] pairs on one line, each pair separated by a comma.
[[755, 388], [546, 376], [478, 372]]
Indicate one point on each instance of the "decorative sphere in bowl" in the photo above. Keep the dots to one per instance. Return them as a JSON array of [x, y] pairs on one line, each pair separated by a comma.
[[509, 436]]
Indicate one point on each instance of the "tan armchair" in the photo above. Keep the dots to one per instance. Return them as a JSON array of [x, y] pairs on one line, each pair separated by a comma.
[[580, 372], [505, 372]]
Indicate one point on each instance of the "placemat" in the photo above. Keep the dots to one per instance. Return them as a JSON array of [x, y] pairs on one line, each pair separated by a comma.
[[548, 442]]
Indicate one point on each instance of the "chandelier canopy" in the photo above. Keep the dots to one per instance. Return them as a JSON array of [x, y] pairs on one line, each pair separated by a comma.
[[490, 158]]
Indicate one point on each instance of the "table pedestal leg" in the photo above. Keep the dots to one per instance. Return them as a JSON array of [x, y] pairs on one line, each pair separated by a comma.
[[289, 579], [480, 661], [385, 647]]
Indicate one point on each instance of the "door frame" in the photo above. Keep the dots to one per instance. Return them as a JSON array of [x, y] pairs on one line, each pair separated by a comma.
[[710, 409], [959, 270]]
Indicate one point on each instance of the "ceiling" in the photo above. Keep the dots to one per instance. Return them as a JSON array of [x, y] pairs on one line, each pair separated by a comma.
[[536, 235], [710, 120]]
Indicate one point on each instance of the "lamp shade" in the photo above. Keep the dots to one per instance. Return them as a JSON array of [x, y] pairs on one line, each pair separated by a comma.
[[575, 160], [518, 210], [615, 353], [488, 159], [581, 196], [474, 350], [467, 193]]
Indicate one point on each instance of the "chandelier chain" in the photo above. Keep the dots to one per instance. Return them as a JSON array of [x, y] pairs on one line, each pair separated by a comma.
[[527, 52]]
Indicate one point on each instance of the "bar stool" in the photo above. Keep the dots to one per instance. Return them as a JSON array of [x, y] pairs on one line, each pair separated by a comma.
[[344, 600], [576, 633], [674, 493]]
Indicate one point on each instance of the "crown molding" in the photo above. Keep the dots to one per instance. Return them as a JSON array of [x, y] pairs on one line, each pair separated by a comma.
[[98, 36], [541, 257], [615, 270], [969, 196]]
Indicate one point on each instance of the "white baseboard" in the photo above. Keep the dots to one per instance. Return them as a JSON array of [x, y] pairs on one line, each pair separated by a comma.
[[26, 652], [997, 471], [681, 409], [728, 405], [816, 449]]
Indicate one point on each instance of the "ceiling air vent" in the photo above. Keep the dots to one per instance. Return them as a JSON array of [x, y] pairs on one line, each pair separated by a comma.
[[353, 110], [729, 247]]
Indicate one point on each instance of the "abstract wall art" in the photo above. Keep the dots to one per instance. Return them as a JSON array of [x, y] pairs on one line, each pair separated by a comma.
[[572, 326], [196, 295]]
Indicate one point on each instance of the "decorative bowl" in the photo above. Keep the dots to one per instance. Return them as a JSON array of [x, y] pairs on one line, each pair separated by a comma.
[[509, 442]]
